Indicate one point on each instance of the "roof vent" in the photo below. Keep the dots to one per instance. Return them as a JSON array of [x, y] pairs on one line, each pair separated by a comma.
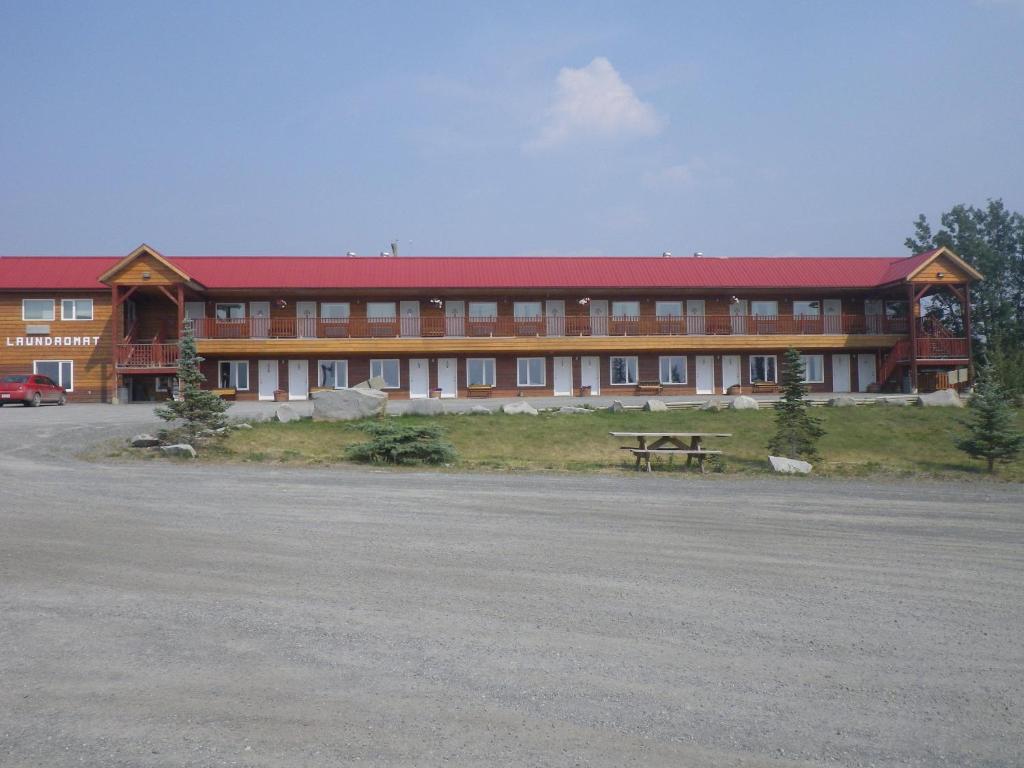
[[697, 254], [666, 254], [350, 254]]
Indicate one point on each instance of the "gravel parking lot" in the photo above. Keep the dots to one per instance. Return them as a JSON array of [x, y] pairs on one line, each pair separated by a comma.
[[162, 614]]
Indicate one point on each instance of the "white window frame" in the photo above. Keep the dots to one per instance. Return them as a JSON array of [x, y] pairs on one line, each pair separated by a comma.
[[71, 363], [543, 372], [216, 311], [659, 309], [337, 363], [233, 367], [815, 311], [379, 362], [775, 367], [74, 313], [347, 311], [821, 368], [484, 361], [50, 319], [755, 302], [615, 314], [373, 308], [661, 362], [475, 316], [636, 370], [518, 306]]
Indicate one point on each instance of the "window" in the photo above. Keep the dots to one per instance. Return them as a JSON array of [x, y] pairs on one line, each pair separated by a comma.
[[332, 374], [673, 369], [531, 371], [623, 370], [234, 374], [483, 309], [764, 308], [625, 309], [334, 311], [76, 309], [380, 310], [762, 368], [480, 372], [387, 370], [528, 309], [814, 368], [669, 309], [896, 308], [806, 308], [37, 309], [231, 312], [165, 383], [61, 372]]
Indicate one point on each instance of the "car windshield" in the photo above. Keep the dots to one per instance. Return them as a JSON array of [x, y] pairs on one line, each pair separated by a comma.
[[13, 379]]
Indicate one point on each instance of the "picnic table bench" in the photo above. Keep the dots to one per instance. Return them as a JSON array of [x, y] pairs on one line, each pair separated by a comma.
[[669, 444]]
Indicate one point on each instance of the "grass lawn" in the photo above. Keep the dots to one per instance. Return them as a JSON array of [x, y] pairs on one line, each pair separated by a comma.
[[862, 441]]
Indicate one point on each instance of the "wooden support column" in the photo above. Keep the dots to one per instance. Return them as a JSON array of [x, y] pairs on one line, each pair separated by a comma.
[[181, 310], [966, 305], [115, 338], [914, 312]]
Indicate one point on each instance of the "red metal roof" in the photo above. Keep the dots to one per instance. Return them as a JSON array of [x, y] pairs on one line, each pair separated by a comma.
[[339, 272]]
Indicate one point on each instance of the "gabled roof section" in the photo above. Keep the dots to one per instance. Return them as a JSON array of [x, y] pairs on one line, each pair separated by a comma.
[[907, 269], [150, 254]]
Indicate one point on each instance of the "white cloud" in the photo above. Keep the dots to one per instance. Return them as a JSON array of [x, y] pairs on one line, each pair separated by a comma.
[[594, 101]]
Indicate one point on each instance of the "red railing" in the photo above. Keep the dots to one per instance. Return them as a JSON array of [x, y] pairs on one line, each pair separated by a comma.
[[419, 327], [939, 348], [143, 356]]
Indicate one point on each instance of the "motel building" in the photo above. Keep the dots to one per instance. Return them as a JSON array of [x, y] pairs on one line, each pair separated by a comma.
[[278, 327]]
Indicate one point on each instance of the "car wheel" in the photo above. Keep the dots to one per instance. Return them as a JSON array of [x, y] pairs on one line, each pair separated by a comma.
[[63, 400], [36, 400]]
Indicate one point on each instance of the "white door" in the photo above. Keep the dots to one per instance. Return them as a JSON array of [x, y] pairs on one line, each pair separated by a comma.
[[738, 315], [590, 374], [841, 373], [455, 318], [865, 371], [419, 379], [833, 310], [409, 312], [196, 310], [695, 317], [305, 319], [259, 311], [448, 376], [705, 374], [555, 310], [268, 379], [874, 315], [599, 317], [563, 375], [730, 372], [298, 380]]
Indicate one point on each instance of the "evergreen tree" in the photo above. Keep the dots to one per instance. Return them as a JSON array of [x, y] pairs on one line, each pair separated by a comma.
[[796, 430], [991, 434], [196, 408]]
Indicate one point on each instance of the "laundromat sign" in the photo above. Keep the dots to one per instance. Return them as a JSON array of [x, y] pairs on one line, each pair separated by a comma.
[[53, 341]]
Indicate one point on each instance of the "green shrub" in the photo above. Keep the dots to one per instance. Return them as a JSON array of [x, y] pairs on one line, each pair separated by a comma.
[[393, 444]]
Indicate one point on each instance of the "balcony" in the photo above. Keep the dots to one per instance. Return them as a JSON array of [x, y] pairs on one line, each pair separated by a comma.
[[146, 357]]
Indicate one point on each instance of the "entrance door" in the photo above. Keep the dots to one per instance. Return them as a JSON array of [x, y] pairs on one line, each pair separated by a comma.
[[259, 311], [695, 317], [409, 322], [599, 317], [841, 373], [874, 315], [268, 379], [448, 376], [738, 316], [563, 376], [419, 378], [833, 311], [455, 318], [730, 372], [555, 310], [305, 319], [298, 379], [590, 374], [705, 375], [196, 312], [865, 371]]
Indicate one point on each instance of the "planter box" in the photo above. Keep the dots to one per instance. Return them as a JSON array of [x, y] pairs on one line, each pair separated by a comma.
[[280, 396]]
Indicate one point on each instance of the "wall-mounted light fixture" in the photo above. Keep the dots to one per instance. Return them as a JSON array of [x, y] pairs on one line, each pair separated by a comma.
[[734, 300], [437, 302], [280, 303], [584, 301], [940, 275], [145, 275]]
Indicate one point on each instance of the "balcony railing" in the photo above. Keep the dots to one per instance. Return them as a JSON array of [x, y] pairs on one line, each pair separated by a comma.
[[142, 356], [549, 326]]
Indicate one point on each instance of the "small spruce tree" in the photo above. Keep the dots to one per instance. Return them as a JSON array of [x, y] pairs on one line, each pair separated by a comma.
[[196, 408], [991, 434], [796, 430]]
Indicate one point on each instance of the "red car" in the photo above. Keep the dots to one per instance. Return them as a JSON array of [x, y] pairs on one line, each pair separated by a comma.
[[31, 389]]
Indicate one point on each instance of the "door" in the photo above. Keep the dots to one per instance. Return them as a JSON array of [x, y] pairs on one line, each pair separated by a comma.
[[695, 317], [298, 379], [833, 311], [590, 374], [268, 379], [730, 372], [305, 319], [448, 376], [705, 375], [455, 318], [555, 310], [865, 371], [599, 317], [841, 373], [419, 378], [259, 311], [874, 315], [738, 311], [409, 314], [563, 376]]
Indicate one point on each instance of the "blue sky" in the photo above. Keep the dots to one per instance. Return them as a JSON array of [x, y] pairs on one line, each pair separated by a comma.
[[768, 128]]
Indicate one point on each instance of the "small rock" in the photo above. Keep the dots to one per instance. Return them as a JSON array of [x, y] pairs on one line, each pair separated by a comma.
[[843, 401], [424, 407], [573, 409], [481, 410], [243, 425], [519, 408], [743, 403], [789, 466], [945, 398], [713, 405], [286, 413], [144, 441], [655, 405], [617, 406], [179, 449]]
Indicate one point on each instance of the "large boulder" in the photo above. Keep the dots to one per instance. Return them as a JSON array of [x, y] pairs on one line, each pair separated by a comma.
[[843, 401], [481, 410], [520, 407], [425, 407], [286, 413], [179, 449], [789, 466], [617, 406], [743, 403], [348, 404], [713, 405], [144, 441], [655, 405], [944, 398]]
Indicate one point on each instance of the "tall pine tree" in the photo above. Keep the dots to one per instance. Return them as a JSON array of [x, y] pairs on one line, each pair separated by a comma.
[[991, 434], [796, 430], [196, 408]]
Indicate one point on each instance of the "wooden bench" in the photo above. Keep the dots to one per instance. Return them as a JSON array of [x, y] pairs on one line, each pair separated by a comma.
[[644, 455], [763, 386], [480, 390], [648, 387], [227, 393]]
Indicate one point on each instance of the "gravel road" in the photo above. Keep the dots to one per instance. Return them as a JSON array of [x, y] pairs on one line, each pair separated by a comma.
[[161, 614]]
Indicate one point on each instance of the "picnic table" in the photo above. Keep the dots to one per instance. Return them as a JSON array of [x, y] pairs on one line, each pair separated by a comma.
[[669, 444]]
